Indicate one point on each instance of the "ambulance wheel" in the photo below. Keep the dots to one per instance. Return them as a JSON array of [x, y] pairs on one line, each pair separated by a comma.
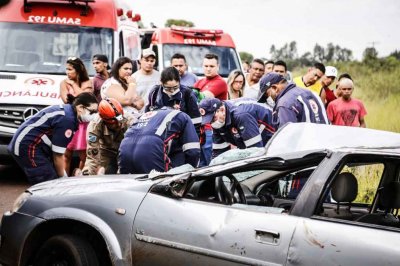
[[66, 250]]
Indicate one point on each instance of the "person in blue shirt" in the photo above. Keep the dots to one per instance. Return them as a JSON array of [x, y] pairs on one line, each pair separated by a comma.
[[243, 125], [292, 104], [160, 140], [179, 62], [39, 144]]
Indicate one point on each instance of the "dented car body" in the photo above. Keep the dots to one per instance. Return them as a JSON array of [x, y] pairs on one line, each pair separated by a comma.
[[335, 206]]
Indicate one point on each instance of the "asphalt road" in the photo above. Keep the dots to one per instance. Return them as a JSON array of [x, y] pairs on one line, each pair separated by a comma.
[[12, 183]]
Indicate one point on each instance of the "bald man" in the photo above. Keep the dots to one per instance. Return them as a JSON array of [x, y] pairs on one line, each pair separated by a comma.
[[345, 110]]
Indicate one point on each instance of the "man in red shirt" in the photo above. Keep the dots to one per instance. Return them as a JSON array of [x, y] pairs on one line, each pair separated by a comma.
[[346, 111], [213, 85]]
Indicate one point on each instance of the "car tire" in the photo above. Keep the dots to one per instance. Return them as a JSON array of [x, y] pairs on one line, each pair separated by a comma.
[[66, 250]]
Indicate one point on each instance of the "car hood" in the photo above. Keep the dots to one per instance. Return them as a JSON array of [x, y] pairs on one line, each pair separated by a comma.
[[88, 185]]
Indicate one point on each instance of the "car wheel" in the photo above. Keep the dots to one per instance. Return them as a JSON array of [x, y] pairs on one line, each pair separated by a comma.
[[66, 250]]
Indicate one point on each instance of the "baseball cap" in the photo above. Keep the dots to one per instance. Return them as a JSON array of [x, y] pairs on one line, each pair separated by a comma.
[[330, 71], [102, 58], [148, 52], [266, 82], [210, 106]]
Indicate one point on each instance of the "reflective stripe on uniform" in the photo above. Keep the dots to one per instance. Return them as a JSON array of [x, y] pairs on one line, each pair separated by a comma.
[[305, 108], [38, 123], [168, 118], [261, 128], [191, 145], [46, 140], [323, 111], [58, 149], [252, 141], [218, 146], [196, 120]]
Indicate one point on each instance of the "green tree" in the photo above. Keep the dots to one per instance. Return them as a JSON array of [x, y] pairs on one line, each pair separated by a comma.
[[395, 54], [370, 54], [178, 22], [245, 56], [319, 53]]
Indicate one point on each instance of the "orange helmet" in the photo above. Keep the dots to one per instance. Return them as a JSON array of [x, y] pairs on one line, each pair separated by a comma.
[[110, 110]]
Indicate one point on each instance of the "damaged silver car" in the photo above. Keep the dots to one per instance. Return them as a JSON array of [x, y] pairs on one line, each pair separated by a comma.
[[317, 195]]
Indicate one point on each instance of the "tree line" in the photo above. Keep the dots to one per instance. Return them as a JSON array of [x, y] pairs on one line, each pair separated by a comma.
[[331, 53]]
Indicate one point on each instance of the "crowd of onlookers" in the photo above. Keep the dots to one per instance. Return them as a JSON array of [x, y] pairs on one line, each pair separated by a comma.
[[126, 121]]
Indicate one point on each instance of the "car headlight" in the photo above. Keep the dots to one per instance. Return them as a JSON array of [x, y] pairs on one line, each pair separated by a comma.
[[20, 201]]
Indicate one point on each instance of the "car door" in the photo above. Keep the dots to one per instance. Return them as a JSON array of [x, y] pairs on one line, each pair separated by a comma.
[[352, 233], [169, 231]]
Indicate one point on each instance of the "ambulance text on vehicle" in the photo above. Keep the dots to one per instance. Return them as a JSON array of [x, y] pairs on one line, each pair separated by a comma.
[[194, 44], [38, 36]]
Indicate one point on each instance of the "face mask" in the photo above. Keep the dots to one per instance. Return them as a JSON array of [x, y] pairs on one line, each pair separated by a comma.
[[87, 117], [217, 124], [270, 101], [170, 94]]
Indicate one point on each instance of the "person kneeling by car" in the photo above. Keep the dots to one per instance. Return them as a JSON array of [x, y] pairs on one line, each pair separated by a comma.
[[246, 125], [160, 140], [104, 135], [39, 144]]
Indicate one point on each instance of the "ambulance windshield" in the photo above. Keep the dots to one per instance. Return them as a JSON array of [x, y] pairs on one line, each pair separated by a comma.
[[194, 54], [44, 48]]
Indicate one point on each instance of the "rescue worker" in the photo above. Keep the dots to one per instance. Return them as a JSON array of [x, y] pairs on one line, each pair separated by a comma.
[[292, 104], [105, 134], [172, 94], [159, 140], [244, 125], [39, 144]]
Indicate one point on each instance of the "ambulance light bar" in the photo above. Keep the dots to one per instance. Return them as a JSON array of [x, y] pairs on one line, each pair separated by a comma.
[[191, 32], [85, 11]]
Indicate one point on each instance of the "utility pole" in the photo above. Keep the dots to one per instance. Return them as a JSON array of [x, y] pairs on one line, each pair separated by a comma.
[[373, 43]]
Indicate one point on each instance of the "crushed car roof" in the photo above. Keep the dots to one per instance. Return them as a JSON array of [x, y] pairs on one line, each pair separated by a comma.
[[295, 137]]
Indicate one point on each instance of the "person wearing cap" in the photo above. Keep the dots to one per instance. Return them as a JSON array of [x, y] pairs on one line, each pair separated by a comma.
[[173, 94], [211, 86], [101, 66], [292, 104], [311, 79], [244, 125], [266, 95], [104, 135], [146, 77], [160, 140], [327, 95]]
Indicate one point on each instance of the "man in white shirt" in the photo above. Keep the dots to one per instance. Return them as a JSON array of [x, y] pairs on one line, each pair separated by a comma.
[[252, 87]]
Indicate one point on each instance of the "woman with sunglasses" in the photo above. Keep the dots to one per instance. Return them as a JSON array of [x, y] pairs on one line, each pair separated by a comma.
[[77, 82], [39, 144], [236, 83], [122, 87]]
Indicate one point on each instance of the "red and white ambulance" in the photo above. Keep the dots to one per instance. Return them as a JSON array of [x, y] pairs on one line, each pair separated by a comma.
[[37, 37], [193, 44]]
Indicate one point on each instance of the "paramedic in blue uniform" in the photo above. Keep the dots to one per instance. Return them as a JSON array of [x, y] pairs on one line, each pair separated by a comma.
[[242, 125], [160, 140], [292, 104], [39, 144], [171, 93]]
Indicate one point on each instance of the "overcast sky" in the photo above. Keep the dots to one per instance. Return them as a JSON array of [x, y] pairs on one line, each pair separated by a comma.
[[257, 24]]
